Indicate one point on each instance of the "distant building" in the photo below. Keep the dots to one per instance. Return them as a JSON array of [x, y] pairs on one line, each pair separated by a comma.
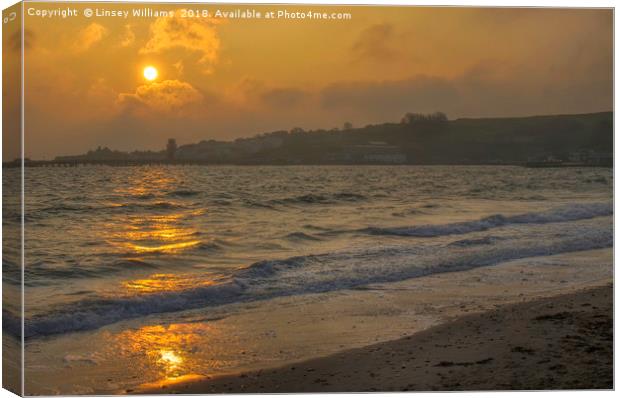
[[171, 148]]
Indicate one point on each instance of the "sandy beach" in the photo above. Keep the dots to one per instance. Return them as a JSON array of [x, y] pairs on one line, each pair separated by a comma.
[[563, 342], [211, 344]]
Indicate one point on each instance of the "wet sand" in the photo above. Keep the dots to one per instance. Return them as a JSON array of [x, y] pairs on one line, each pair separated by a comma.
[[562, 342]]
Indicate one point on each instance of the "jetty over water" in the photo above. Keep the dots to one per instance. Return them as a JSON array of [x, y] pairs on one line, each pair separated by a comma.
[[101, 162]]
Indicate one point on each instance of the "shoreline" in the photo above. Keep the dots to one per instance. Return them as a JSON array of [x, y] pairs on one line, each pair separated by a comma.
[[216, 342], [560, 342]]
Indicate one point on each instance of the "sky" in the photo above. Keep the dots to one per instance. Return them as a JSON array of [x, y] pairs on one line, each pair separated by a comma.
[[221, 78]]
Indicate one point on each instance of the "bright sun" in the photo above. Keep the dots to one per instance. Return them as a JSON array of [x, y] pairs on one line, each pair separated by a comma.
[[150, 73]]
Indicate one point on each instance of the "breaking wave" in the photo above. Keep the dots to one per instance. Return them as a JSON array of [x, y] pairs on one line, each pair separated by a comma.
[[567, 213], [332, 271]]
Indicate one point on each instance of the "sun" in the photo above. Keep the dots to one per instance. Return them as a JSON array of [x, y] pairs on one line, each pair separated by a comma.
[[150, 73]]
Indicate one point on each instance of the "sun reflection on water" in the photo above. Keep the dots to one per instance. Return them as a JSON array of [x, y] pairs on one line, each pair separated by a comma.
[[170, 361], [153, 233], [164, 282], [150, 223], [171, 247], [170, 353], [156, 223]]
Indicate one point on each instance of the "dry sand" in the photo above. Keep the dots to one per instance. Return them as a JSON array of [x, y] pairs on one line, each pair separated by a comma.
[[563, 342]]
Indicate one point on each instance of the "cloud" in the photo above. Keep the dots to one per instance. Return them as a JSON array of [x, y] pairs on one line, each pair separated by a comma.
[[252, 93], [392, 97], [375, 43], [89, 36], [179, 66], [167, 96], [128, 37], [101, 95], [195, 35], [283, 97], [482, 91]]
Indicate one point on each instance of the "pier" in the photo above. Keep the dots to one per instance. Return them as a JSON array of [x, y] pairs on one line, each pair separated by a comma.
[[103, 162]]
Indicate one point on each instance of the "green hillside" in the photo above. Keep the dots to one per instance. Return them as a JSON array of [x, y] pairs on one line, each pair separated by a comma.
[[461, 141]]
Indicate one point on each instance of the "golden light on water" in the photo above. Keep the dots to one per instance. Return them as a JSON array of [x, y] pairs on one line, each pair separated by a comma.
[[170, 360], [153, 234], [162, 347], [163, 248], [150, 73], [163, 233], [164, 282], [152, 231], [157, 234], [167, 354]]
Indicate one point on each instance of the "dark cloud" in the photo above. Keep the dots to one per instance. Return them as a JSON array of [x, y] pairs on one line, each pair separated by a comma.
[[375, 43], [391, 98], [197, 35], [284, 97], [476, 93]]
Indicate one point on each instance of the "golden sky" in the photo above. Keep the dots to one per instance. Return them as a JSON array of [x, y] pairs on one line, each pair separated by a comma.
[[223, 78]]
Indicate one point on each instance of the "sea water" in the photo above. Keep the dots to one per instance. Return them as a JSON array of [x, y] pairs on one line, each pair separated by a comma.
[[111, 245]]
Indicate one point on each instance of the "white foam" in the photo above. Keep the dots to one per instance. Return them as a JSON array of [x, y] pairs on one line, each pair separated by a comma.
[[573, 212]]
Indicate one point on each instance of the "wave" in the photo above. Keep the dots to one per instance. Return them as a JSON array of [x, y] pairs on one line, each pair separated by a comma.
[[51, 271], [11, 323], [301, 236], [177, 193], [64, 208], [160, 205], [144, 196], [212, 246], [90, 314], [407, 212], [320, 198], [487, 240], [257, 204], [318, 273], [183, 193], [11, 265], [304, 200], [567, 213], [41, 273]]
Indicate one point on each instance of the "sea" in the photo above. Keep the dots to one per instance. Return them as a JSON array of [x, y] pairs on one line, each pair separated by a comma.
[[111, 250]]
